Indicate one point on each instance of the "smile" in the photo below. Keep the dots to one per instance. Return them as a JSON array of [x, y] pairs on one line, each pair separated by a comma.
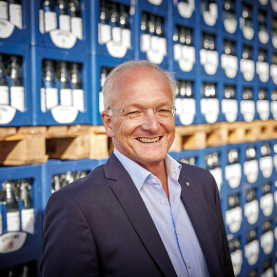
[[144, 140]]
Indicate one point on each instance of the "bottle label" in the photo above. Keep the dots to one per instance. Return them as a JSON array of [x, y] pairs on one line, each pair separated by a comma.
[[41, 21], [266, 166], [233, 175], [267, 241], [263, 109], [3, 10], [263, 71], [16, 15], [233, 219], [12, 241], [209, 59], [50, 21], [51, 98], [78, 99], [251, 251], [64, 22], [266, 204], [13, 223], [77, 27], [230, 109], [66, 97], [116, 33], [17, 98], [247, 108], [186, 9], [42, 100], [126, 37], [251, 170], [28, 220], [251, 211], [145, 42], [104, 33], [236, 258], [4, 95], [101, 102], [210, 109], [187, 111]]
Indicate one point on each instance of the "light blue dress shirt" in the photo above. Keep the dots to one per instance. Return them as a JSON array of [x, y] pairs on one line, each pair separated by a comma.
[[170, 217]]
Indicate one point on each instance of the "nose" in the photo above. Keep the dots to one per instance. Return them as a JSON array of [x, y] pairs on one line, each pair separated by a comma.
[[150, 122]]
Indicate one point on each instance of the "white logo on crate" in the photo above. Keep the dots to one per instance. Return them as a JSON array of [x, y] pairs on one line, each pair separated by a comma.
[[7, 114], [12, 241], [185, 55], [186, 9], [263, 109], [236, 258], [247, 108], [267, 241], [233, 219], [69, 28], [247, 67], [251, 211], [117, 40], [266, 203], [233, 175], [186, 109], [251, 170], [248, 32], [155, 48], [210, 16], [217, 173], [72, 101], [230, 64], [210, 109], [266, 166], [6, 26], [251, 252], [230, 109], [230, 25], [155, 2], [209, 59]]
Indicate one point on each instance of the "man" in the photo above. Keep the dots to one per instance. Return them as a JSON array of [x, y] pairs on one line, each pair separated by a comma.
[[142, 213]]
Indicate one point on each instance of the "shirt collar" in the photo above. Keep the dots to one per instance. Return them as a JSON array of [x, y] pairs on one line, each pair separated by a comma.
[[139, 174]]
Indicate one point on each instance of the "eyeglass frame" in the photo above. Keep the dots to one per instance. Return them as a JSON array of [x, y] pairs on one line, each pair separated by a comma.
[[173, 112]]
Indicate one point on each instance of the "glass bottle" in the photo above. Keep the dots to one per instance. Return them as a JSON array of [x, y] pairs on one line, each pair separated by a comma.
[[4, 89], [65, 91], [76, 19], [77, 91], [64, 18], [15, 10], [4, 9], [50, 16], [17, 89]]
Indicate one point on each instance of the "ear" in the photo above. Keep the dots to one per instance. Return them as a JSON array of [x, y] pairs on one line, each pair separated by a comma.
[[107, 123]]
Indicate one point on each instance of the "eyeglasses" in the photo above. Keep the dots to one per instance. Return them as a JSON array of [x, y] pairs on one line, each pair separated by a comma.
[[162, 113]]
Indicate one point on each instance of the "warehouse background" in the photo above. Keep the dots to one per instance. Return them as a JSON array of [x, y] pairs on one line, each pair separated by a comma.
[[56, 54]]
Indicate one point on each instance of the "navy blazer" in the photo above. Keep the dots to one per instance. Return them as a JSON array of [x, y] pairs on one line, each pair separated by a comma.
[[100, 226]]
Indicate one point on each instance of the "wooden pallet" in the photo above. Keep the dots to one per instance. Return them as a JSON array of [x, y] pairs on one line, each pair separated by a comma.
[[22, 146], [77, 142], [266, 129]]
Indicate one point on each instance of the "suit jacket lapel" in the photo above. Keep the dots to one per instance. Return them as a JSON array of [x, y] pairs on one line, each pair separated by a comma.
[[192, 203], [133, 205]]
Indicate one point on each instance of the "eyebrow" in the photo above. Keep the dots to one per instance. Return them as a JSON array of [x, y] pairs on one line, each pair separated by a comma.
[[141, 106]]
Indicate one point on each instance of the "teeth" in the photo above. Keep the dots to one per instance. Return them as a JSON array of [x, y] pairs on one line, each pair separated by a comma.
[[148, 140]]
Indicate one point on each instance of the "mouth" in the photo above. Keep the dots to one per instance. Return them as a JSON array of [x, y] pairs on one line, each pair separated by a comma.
[[148, 140]]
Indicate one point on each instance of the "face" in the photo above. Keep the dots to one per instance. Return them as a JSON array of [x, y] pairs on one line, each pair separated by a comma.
[[146, 142]]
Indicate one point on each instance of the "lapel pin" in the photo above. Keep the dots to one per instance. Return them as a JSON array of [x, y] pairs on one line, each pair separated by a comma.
[[187, 183]]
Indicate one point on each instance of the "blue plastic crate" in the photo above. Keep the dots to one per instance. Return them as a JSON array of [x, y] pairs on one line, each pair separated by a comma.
[[15, 24], [24, 244], [17, 112], [187, 156], [73, 34], [114, 43], [76, 112], [98, 63], [154, 48], [56, 167]]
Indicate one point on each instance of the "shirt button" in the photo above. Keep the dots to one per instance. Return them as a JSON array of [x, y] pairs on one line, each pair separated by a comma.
[[189, 265], [162, 202], [154, 180]]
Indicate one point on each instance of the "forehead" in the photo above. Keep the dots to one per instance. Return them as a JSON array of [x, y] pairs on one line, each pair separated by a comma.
[[141, 84]]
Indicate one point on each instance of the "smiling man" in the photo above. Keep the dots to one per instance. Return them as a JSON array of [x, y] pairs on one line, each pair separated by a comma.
[[142, 213]]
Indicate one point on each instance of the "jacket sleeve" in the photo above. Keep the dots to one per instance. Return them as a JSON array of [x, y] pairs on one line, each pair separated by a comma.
[[68, 246], [226, 259]]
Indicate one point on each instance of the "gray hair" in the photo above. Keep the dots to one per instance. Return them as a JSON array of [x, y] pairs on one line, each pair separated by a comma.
[[127, 66]]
